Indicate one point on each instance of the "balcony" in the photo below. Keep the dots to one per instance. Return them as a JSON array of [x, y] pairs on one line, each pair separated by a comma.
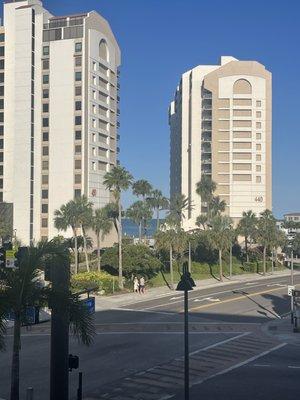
[[206, 125], [206, 148], [206, 137]]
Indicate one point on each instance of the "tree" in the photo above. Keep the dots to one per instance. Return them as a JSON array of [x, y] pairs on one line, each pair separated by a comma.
[[266, 233], [84, 213], [102, 225], [138, 259], [217, 205], [247, 228], [140, 213], [22, 287], [141, 188], [118, 180], [202, 221], [67, 217], [158, 203], [178, 205], [220, 236], [205, 189]]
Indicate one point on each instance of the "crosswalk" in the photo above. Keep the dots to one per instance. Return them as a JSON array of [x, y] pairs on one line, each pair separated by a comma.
[[164, 381]]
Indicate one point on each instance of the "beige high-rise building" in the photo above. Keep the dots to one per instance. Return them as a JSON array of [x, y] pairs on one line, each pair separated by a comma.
[[221, 126], [58, 112]]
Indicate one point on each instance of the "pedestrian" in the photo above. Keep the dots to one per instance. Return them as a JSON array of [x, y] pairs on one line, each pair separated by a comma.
[[136, 285], [142, 285]]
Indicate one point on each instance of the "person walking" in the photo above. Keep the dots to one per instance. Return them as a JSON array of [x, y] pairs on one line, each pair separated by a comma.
[[142, 285], [136, 285]]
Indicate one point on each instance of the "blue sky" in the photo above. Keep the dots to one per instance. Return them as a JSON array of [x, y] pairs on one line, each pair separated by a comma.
[[160, 39]]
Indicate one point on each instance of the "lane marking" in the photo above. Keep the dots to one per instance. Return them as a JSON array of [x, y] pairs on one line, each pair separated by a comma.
[[276, 284], [205, 295], [143, 311], [207, 299], [219, 343], [261, 365], [244, 297], [293, 367]]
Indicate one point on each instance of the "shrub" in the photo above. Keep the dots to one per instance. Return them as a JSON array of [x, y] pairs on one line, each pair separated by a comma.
[[85, 280]]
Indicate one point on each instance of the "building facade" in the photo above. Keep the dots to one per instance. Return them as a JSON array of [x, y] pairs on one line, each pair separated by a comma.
[[221, 126], [60, 112]]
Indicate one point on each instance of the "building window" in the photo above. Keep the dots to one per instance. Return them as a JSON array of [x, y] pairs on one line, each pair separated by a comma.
[[44, 222], [1, 90], [258, 147], [1, 144], [46, 51], [1, 157], [45, 136], [77, 135], [2, 37], [78, 47], [78, 76], [44, 194], [45, 179], [258, 157], [45, 79], [45, 64], [78, 91], [258, 168], [45, 151], [258, 136], [45, 122], [44, 208], [258, 125], [77, 164], [1, 104], [77, 120], [258, 179], [1, 130], [77, 193], [1, 169], [258, 114], [1, 183], [77, 178], [77, 149], [77, 105], [1, 77], [45, 93], [1, 51], [45, 165], [1, 64], [258, 103], [78, 61], [45, 107]]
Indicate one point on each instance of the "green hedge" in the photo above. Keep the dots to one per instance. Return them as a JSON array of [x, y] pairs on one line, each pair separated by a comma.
[[85, 280]]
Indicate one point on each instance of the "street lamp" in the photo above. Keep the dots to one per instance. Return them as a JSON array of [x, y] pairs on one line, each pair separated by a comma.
[[186, 284]]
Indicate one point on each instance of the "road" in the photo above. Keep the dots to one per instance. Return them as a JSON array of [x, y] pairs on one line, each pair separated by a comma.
[[138, 349]]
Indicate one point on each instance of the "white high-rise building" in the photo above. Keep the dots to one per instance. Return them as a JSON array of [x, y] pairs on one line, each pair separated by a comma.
[[58, 112], [221, 126]]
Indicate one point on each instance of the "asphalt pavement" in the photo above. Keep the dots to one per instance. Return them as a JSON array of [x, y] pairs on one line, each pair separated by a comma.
[[138, 350]]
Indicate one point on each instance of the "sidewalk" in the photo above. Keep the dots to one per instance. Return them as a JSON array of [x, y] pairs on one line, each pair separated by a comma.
[[118, 300], [282, 330]]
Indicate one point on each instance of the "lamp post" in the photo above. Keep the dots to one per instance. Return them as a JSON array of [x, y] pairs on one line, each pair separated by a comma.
[[186, 284]]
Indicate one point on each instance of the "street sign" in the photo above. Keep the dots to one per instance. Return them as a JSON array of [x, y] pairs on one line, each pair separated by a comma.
[[290, 290], [10, 259], [90, 303]]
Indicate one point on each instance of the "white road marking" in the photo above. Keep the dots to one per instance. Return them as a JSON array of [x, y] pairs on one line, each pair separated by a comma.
[[293, 367], [219, 343], [176, 298], [207, 299], [276, 284], [261, 365]]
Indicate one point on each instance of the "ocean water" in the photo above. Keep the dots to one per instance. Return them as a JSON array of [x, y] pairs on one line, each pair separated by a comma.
[[132, 230]]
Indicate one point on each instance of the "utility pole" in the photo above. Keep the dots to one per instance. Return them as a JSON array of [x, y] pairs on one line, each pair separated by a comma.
[[60, 318], [292, 267], [190, 258]]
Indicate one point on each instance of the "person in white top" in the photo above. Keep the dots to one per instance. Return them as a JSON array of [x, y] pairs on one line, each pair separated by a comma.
[[142, 285], [136, 285]]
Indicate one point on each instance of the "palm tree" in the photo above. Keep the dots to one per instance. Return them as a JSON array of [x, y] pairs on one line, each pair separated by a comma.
[[205, 189], [22, 287], [67, 217], [247, 228], [217, 205], [141, 188], [202, 221], [158, 203], [84, 212], [266, 233], [178, 205], [220, 236], [117, 180], [139, 212], [101, 225]]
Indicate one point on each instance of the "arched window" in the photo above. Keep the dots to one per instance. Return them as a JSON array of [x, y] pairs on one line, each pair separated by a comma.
[[242, 86], [103, 50]]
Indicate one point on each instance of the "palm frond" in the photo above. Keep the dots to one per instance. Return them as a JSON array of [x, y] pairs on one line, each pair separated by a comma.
[[81, 321]]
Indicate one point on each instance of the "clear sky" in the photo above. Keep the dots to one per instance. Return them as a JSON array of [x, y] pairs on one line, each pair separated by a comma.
[[160, 39]]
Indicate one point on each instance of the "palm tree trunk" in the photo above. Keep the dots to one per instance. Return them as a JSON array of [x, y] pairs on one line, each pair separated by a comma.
[[157, 220], [15, 366], [140, 231], [75, 250], [264, 261], [171, 267], [121, 286], [98, 252], [246, 248], [220, 265], [85, 249]]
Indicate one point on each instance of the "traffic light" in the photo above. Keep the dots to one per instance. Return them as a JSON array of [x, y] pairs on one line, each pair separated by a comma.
[[73, 362], [19, 255]]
